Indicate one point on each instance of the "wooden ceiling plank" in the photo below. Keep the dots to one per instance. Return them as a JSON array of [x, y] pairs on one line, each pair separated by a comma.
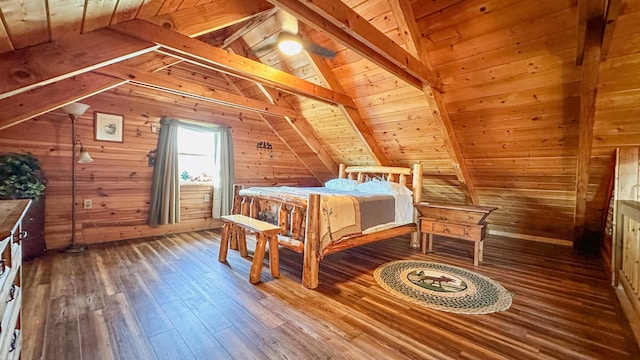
[[29, 104], [353, 116], [203, 54], [361, 36], [613, 11], [209, 17], [5, 41], [97, 14], [26, 22], [588, 91], [39, 65], [254, 23], [403, 9], [65, 18], [177, 86]]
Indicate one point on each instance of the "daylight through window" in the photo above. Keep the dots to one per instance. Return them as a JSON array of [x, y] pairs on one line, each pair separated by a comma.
[[196, 162]]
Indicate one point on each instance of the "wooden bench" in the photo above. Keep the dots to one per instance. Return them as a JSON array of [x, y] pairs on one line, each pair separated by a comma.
[[234, 230]]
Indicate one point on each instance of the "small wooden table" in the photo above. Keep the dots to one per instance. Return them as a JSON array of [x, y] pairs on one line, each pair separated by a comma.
[[464, 222]]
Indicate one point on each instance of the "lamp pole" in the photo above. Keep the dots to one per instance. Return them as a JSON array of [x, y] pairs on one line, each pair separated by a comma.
[[74, 111]]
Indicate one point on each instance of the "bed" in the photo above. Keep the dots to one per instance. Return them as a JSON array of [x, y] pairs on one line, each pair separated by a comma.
[[364, 204]]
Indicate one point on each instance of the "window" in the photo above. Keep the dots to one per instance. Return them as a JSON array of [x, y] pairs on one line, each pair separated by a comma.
[[196, 151]]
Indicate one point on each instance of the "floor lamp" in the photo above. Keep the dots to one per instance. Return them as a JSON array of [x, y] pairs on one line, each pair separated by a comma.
[[74, 110]]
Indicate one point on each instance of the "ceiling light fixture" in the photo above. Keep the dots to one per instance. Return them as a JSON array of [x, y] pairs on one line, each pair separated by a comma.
[[289, 44]]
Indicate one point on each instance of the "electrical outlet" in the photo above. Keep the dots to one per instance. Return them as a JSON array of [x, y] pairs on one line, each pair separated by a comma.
[[88, 203], [206, 197]]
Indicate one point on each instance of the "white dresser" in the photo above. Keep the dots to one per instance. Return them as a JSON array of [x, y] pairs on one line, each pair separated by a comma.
[[11, 235]]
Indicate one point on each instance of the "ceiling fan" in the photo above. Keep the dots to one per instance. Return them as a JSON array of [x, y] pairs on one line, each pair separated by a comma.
[[290, 43]]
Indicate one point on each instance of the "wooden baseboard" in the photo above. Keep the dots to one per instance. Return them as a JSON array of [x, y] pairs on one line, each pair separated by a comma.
[[533, 238]]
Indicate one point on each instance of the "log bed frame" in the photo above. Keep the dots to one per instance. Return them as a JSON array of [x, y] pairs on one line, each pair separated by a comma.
[[300, 218]]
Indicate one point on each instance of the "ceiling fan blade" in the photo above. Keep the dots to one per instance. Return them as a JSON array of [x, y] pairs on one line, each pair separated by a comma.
[[264, 48], [318, 50]]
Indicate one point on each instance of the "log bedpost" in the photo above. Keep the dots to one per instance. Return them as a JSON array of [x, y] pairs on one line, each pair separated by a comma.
[[236, 199], [311, 258], [244, 206], [253, 208], [342, 173], [283, 218], [416, 184], [296, 222]]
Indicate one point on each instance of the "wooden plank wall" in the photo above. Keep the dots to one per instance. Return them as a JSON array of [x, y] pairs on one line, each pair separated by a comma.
[[118, 181], [510, 88]]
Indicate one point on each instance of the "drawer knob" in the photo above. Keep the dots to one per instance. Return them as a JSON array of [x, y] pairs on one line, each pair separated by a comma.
[[20, 236], [14, 340], [12, 293]]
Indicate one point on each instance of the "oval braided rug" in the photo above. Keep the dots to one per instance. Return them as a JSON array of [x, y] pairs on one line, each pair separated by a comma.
[[442, 287]]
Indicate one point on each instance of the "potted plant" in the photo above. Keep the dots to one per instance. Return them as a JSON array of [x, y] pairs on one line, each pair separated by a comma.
[[22, 178]]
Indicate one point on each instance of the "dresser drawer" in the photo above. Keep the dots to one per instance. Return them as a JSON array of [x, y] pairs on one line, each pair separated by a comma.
[[458, 231]]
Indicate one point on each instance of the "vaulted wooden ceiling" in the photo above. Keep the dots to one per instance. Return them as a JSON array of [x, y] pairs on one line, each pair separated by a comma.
[[507, 103]]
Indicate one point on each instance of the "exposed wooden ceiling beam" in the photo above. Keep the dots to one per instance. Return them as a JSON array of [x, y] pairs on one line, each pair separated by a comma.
[[214, 15], [200, 53], [406, 21], [340, 22], [590, 13], [613, 10], [32, 103], [177, 86], [28, 68], [353, 116], [588, 90]]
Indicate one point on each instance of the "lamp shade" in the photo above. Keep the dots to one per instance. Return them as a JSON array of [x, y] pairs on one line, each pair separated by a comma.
[[75, 108], [84, 156]]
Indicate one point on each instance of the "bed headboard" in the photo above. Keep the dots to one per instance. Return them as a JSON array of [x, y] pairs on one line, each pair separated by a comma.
[[387, 173]]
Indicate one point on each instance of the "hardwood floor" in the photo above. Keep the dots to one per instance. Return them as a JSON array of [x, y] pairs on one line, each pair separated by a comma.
[[169, 298]]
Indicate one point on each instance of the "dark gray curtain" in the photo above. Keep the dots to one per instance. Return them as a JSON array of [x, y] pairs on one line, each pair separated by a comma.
[[165, 185], [165, 188]]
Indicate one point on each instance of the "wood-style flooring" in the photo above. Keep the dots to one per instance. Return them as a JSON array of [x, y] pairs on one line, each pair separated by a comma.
[[169, 298]]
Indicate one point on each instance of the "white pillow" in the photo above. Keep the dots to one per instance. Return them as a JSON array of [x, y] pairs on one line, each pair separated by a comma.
[[341, 184], [383, 187]]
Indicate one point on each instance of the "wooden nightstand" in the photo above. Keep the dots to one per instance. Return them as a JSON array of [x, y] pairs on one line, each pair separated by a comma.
[[464, 222]]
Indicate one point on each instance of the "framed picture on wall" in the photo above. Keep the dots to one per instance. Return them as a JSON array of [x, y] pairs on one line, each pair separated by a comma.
[[109, 127]]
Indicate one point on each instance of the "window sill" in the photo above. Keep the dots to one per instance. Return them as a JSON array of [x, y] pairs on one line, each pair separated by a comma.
[[196, 183]]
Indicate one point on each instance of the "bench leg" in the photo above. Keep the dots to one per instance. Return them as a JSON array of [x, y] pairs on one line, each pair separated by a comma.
[[258, 258], [242, 242], [274, 256], [233, 242], [224, 242], [481, 251]]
